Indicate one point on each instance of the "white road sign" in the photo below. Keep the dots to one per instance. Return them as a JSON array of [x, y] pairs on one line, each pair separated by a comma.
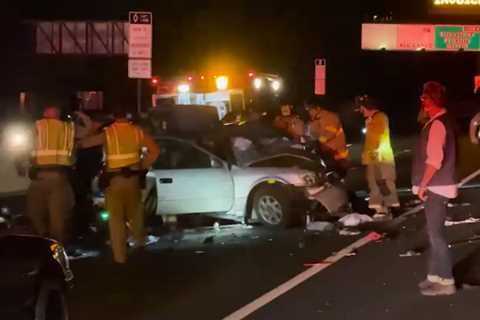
[[140, 35], [139, 68]]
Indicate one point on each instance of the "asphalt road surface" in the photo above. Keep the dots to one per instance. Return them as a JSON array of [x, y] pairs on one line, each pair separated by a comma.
[[209, 274]]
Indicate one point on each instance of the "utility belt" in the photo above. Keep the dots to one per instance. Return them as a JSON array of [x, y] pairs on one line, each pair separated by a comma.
[[36, 172], [106, 176]]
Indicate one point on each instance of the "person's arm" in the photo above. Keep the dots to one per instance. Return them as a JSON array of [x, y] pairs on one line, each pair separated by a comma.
[[83, 131], [153, 151], [436, 142], [92, 141]]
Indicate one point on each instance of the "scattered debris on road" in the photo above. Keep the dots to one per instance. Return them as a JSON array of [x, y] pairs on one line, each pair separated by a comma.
[[354, 220], [346, 232], [320, 226], [409, 253], [467, 221]]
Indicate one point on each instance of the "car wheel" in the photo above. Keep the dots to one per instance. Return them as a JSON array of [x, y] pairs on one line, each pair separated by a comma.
[[272, 205], [51, 302]]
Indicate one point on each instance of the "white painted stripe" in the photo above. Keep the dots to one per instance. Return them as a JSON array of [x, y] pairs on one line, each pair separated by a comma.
[[302, 277]]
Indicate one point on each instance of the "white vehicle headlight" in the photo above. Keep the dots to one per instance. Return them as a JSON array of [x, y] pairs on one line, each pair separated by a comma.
[[16, 138]]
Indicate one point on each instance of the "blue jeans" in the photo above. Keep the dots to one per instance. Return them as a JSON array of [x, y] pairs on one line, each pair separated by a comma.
[[439, 261]]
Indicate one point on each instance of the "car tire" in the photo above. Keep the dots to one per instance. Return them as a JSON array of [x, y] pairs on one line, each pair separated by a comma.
[[273, 207], [51, 303]]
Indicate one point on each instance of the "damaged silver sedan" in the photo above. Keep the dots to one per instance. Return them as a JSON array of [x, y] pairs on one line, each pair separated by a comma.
[[268, 182]]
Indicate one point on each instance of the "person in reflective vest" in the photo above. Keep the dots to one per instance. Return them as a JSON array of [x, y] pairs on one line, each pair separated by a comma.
[[125, 166], [50, 197], [327, 129], [378, 157]]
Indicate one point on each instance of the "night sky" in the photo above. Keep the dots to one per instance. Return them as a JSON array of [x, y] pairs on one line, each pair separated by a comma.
[[273, 36]]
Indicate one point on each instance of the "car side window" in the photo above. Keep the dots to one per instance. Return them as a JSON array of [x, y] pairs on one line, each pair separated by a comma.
[[181, 155]]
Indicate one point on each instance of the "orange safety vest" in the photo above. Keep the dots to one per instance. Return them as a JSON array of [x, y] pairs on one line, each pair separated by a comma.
[[124, 144], [55, 142]]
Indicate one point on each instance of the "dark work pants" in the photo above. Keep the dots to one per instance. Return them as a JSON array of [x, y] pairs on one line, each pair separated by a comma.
[[439, 260]]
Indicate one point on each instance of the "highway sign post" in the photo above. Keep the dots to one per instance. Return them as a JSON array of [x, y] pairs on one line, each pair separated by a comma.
[[140, 49]]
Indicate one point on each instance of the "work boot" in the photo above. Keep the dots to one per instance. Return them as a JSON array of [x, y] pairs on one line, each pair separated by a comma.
[[425, 284], [437, 289]]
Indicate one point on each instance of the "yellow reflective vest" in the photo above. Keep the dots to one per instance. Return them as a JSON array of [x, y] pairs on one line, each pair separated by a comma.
[[124, 145], [54, 143], [377, 148]]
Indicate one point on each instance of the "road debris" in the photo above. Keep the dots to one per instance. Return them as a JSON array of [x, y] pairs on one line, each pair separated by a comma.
[[467, 221], [409, 253], [454, 205], [320, 226], [354, 220], [83, 254], [347, 232], [199, 252], [216, 226]]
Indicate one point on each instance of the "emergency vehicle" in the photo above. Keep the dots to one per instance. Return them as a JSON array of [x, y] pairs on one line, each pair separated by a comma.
[[227, 93]]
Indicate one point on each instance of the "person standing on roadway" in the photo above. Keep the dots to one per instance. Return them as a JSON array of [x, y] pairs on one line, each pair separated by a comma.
[[124, 177], [434, 181], [378, 157], [50, 190]]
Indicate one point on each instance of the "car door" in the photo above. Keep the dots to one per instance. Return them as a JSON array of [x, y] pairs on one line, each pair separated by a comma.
[[191, 180]]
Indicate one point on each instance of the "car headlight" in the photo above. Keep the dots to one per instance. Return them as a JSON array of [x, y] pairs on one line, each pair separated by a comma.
[[309, 179], [17, 138], [59, 254]]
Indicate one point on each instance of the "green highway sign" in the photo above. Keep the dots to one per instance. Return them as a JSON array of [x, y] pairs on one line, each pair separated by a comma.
[[457, 37]]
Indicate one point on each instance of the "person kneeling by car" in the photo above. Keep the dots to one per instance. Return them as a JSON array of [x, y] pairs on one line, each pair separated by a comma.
[[123, 177]]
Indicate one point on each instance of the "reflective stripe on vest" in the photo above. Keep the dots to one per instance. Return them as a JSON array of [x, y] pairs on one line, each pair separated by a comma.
[[123, 145], [55, 142]]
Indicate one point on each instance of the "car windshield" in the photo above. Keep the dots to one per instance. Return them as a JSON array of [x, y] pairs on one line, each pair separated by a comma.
[[272, 152]]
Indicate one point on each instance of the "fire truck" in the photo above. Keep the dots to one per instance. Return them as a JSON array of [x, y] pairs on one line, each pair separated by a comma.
[[227, 93]]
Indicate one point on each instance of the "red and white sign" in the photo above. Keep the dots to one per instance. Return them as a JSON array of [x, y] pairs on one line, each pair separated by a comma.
[[415, 37], [139, 68], [477, 84], [320, 77], [140, 35]]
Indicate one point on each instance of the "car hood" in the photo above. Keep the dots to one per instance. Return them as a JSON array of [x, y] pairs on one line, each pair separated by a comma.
[[248, 153], [262, 158]]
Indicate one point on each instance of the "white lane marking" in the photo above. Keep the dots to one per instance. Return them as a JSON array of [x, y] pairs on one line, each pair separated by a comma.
[[302, 277]]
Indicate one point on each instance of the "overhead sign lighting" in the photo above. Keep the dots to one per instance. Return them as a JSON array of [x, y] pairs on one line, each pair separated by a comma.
[[405, 37], [456, 7]]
